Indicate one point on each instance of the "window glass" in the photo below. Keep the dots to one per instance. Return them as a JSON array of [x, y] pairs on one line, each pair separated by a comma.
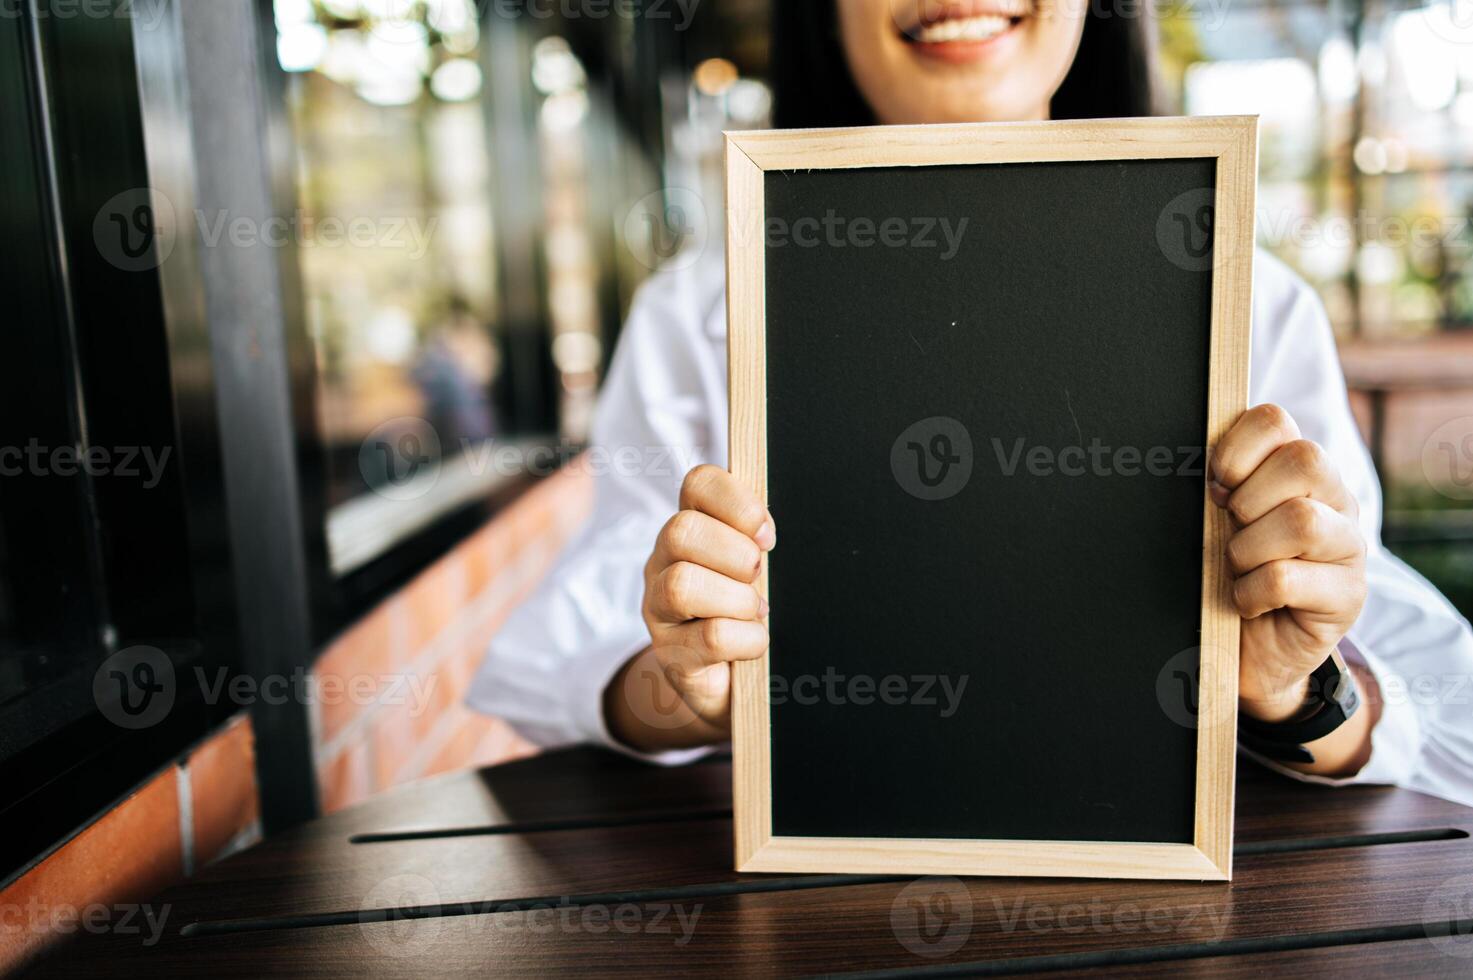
[[1367, 132], [458, 313]]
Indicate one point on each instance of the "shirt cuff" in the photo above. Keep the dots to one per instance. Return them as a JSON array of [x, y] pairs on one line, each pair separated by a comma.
[[587, 706], [1395, 741]]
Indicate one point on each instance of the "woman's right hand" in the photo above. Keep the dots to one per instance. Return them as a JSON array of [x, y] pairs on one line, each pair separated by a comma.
[[703, 611]]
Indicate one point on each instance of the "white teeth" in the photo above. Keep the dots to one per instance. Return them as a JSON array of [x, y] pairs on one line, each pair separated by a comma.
[[978, 28]]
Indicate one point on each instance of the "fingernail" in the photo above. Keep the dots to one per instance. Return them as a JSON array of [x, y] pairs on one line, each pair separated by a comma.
[[762, 608], [1218, 493], [1212, 465], [766, 536]]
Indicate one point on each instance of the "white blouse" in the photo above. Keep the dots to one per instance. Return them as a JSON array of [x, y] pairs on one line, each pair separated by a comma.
[[663, 410]]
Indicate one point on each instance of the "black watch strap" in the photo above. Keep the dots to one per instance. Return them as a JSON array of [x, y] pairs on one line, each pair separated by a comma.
[[1331, 701]]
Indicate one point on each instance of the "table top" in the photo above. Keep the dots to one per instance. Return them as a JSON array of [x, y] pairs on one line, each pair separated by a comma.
[[582, 862]]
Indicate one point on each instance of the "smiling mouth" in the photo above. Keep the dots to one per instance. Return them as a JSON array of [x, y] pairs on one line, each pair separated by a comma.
[[963, 31], [983, 27]]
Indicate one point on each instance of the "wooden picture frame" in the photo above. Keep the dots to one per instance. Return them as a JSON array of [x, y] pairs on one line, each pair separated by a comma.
[[1232, 143]]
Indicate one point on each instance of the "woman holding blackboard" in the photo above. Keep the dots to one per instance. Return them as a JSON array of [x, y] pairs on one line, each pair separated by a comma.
[[670, 557]]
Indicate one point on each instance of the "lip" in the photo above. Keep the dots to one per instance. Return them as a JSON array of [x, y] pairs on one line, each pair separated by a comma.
[[960, 49], [929, 13]]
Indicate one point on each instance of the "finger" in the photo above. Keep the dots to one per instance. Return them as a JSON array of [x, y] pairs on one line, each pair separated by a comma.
[[686, 591], [712, 490], [719, 640], [704, 689], [1296, 469], [703, 540], [1305, 586], [1297, 528], [1252, 439]]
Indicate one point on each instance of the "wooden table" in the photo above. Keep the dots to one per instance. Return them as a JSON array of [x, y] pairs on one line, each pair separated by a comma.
[[583, 863]]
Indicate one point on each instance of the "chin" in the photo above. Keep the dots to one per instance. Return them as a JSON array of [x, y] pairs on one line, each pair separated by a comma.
[[954, 102]]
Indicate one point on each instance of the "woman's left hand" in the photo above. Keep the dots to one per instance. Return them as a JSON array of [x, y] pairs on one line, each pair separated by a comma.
[[1297, 553]]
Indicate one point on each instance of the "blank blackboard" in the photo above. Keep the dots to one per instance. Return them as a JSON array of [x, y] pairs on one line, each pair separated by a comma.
[[974, 371]]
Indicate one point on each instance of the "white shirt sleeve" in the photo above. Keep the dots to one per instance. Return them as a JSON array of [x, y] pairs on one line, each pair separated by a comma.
[[1408, 636], [661, 412]]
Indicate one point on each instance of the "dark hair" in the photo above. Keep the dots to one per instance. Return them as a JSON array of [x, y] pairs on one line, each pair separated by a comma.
[[1113, 74]]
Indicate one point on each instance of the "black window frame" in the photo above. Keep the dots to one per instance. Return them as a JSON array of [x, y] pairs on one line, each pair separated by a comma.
[[93, 361]]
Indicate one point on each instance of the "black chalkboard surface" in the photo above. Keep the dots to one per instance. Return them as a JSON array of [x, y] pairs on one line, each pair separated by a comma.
[[974, 369]]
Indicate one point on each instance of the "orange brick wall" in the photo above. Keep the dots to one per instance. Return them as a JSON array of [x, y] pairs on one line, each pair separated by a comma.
[[391, 687], [370, 733], [194, 812]]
